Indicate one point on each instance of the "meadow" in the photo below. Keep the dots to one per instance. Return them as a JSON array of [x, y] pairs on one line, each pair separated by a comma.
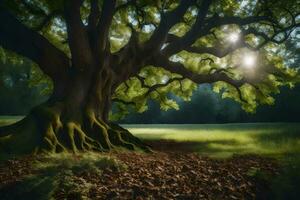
[[217, 140], [223, 140]]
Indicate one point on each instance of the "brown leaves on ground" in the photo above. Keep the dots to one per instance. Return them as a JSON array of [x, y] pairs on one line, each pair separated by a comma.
[[14, 170], [165, 175], [181, 176]]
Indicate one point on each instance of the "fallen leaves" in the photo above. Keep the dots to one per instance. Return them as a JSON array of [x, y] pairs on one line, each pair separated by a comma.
[[164, 175], [181, 176]]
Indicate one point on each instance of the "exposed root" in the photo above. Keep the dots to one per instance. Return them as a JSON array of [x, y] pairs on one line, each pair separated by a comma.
[[129, 139], [46, 131], [99, 130], [51, 141], [79, 139]]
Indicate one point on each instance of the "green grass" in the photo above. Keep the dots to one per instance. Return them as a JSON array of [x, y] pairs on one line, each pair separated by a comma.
[[223, 140], [6, 120], [220, 140]]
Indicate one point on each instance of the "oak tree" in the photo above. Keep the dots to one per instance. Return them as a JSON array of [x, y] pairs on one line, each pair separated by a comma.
[[97, 52]]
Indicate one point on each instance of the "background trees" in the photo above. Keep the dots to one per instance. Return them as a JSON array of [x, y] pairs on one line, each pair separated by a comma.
[[22, 85]]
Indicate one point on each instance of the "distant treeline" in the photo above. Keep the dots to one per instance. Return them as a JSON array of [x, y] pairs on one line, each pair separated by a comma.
[[21, 87], [208, 107]]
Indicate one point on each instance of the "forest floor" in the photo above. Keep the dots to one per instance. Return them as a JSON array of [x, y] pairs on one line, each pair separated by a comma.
[[160, 175], [227, 163]]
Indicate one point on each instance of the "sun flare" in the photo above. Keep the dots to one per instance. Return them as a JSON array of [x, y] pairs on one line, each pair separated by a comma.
[[233, 37], [249, 60]]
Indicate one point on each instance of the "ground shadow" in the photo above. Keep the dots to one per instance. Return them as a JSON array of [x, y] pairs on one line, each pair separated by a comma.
[[188, 146], [278, 137]]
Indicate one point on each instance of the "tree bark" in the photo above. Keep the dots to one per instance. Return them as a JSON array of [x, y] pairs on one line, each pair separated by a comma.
[[76, 121]]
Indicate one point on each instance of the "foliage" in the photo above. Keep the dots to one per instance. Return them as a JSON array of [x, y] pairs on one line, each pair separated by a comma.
[[207, 106], [141, 19], [22, 84], [269, 75]]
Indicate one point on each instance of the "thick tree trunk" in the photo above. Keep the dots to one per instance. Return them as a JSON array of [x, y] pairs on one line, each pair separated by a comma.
[[75, 121], [75, 118]]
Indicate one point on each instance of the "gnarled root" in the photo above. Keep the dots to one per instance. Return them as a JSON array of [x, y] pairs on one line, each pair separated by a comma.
[[124, 138], [47, 130]]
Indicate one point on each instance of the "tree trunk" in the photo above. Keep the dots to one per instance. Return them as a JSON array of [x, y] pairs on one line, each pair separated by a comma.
[[76, 120]]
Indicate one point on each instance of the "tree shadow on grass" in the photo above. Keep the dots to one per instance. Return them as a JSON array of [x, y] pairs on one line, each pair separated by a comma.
[[281, 142], [192, 146], [278, 137]]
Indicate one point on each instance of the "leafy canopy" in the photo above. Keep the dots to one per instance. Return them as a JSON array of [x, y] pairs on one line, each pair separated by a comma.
[[216, 53]]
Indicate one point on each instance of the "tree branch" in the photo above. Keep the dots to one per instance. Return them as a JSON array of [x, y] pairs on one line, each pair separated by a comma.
[[217, 51], [178, 68], [189, 38], [94, 15], [285, 30], [47, 20], [123, 101], [202, 29], [156, 86], [77, 36], [104, 24], [17, 37], [168, 20]]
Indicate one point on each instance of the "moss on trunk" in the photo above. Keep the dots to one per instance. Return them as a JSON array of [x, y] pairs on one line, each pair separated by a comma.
[[51, 129]]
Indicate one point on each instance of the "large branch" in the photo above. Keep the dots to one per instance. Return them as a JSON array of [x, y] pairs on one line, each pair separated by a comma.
[[189, 38], [220, 51], [286, 31], [218, 75], [217, 51], [77, 35], [47, 19], [158, 38], [93, 19], [202, 29], [103, 26], [168, 20], [178, 68], [94, 15], [18, 38]]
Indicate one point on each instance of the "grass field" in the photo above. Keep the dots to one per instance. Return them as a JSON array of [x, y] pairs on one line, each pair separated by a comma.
[[219, 140], [5, 120], [222, 140]]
